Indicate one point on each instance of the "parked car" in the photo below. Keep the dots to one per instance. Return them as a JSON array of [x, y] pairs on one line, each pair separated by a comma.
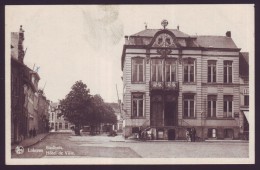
[[112, 133]]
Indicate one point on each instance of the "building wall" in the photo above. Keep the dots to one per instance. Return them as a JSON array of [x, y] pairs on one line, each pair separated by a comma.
[[202, 89], [17, 100], [55, 119]]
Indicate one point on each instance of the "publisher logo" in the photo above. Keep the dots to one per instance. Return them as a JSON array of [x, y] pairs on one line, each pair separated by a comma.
[[19, 150]]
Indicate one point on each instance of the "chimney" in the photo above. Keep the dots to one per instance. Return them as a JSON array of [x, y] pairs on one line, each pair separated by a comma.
[[126, 40], [178, 27], [228, 34], [145, 25], [20, 44]]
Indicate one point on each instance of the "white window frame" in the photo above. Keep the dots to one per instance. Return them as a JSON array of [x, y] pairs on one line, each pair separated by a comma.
[[211, 71], [228, 106], [245, 100], [227, 66], [211, 107], [189, 108], [156, 70], [137, 71], [137, 105], [185, 63], [175, 63]]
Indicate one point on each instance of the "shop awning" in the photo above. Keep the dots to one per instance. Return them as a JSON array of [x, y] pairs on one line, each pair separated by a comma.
[[246, 113]]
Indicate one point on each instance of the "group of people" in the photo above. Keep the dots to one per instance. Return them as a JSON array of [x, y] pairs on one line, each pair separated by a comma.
[[191, 134], [32, 132]]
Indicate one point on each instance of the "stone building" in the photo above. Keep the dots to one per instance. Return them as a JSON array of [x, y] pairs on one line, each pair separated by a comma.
[[118, 112], [24, 87], [244, 93], [57, 121], [43, 112], [173, 81]]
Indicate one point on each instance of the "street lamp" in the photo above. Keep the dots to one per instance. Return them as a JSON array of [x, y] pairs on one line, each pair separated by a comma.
[[202, 128]]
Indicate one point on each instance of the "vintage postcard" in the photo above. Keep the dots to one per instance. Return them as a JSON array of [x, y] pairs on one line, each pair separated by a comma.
[[130, 84]]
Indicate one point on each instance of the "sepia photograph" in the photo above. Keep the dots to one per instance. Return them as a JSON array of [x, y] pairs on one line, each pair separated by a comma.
[[129, 84]]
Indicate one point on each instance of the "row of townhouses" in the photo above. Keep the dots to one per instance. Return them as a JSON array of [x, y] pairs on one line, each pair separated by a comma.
[[29, 105], [173, 81]]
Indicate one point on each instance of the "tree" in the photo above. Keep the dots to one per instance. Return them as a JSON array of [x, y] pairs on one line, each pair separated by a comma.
[[103, 113], [81, 108], [76, 106]]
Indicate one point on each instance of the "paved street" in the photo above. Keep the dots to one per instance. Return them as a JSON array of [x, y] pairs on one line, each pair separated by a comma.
[[69, 145]]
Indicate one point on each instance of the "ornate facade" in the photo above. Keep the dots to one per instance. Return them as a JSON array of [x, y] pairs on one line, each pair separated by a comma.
[[173, 81]]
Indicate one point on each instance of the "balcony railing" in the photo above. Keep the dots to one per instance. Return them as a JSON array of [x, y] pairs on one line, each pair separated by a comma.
[[155, 85]]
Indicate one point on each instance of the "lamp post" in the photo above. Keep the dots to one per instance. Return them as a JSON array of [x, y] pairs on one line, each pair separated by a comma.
[[202, 128]]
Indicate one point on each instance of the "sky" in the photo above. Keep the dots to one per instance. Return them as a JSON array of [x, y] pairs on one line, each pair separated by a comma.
[[85, 42]]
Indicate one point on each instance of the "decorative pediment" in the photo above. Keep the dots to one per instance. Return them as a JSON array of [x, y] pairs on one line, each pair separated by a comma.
[[164, 40]]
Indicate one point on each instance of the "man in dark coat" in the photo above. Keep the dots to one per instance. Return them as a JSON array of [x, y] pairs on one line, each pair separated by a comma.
[[30, 133], [193, 134], [34, 132]]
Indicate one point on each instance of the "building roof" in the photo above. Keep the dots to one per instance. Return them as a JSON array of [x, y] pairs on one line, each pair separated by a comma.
[[115, 107], [216, 42], [196, 41], [54, 104], [244, 64], [145, 37], [152, 32]]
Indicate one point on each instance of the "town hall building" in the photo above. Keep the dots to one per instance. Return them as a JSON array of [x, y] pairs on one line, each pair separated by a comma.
[[173, 81]]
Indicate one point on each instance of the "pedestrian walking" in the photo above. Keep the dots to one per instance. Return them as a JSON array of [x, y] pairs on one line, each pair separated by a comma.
[[139, 133], [188, 135], [34, 132], [193, 134], [30, 133]]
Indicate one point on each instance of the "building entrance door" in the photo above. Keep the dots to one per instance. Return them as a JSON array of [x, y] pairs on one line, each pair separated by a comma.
[[171, 134], [156, 110], [169, 114], [170, 110]]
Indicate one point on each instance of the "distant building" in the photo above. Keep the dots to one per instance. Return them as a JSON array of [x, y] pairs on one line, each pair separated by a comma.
[[43, 112], [244, 93], [57, 121], [119, 125], [173, 81]]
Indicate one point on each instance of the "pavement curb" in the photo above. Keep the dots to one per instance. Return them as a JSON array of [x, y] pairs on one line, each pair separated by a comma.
[[172, 141], [12, 149]]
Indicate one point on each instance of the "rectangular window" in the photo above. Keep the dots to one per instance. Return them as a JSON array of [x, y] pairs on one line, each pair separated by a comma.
[[212, 71], [189, 70], [170, 70], [189, 106], [137, 70], [157, 70], [137, 105], [60, 125], [66, 126], [212, 100], [227, 71], [246, 100], [228, 102]]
